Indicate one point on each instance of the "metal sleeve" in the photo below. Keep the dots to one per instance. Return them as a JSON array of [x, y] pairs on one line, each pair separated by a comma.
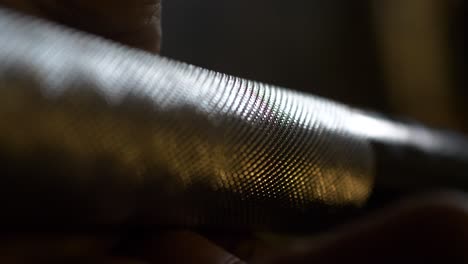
[[93, 132]]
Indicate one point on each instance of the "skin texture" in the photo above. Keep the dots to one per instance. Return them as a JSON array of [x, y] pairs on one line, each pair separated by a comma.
[[429, 228], [135, 23]]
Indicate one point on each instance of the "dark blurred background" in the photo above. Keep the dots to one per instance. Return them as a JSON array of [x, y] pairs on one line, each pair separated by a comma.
[[402, 57]]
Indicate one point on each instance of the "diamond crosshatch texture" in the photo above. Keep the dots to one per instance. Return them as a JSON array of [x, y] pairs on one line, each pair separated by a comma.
[[93, 132]]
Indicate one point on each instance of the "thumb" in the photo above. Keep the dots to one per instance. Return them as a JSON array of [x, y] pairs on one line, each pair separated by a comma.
[[135, 23]]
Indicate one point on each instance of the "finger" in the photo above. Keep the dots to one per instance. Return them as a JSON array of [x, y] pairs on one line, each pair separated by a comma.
[[113, 260], [240, 244], [52, 248], [431, 229], [186, 247], [135, 23]]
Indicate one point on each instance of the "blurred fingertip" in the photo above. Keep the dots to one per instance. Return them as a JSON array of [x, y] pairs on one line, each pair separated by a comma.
[[187, 247]]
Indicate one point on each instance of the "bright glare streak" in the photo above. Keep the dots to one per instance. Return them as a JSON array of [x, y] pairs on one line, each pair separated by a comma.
[[374, 128]]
